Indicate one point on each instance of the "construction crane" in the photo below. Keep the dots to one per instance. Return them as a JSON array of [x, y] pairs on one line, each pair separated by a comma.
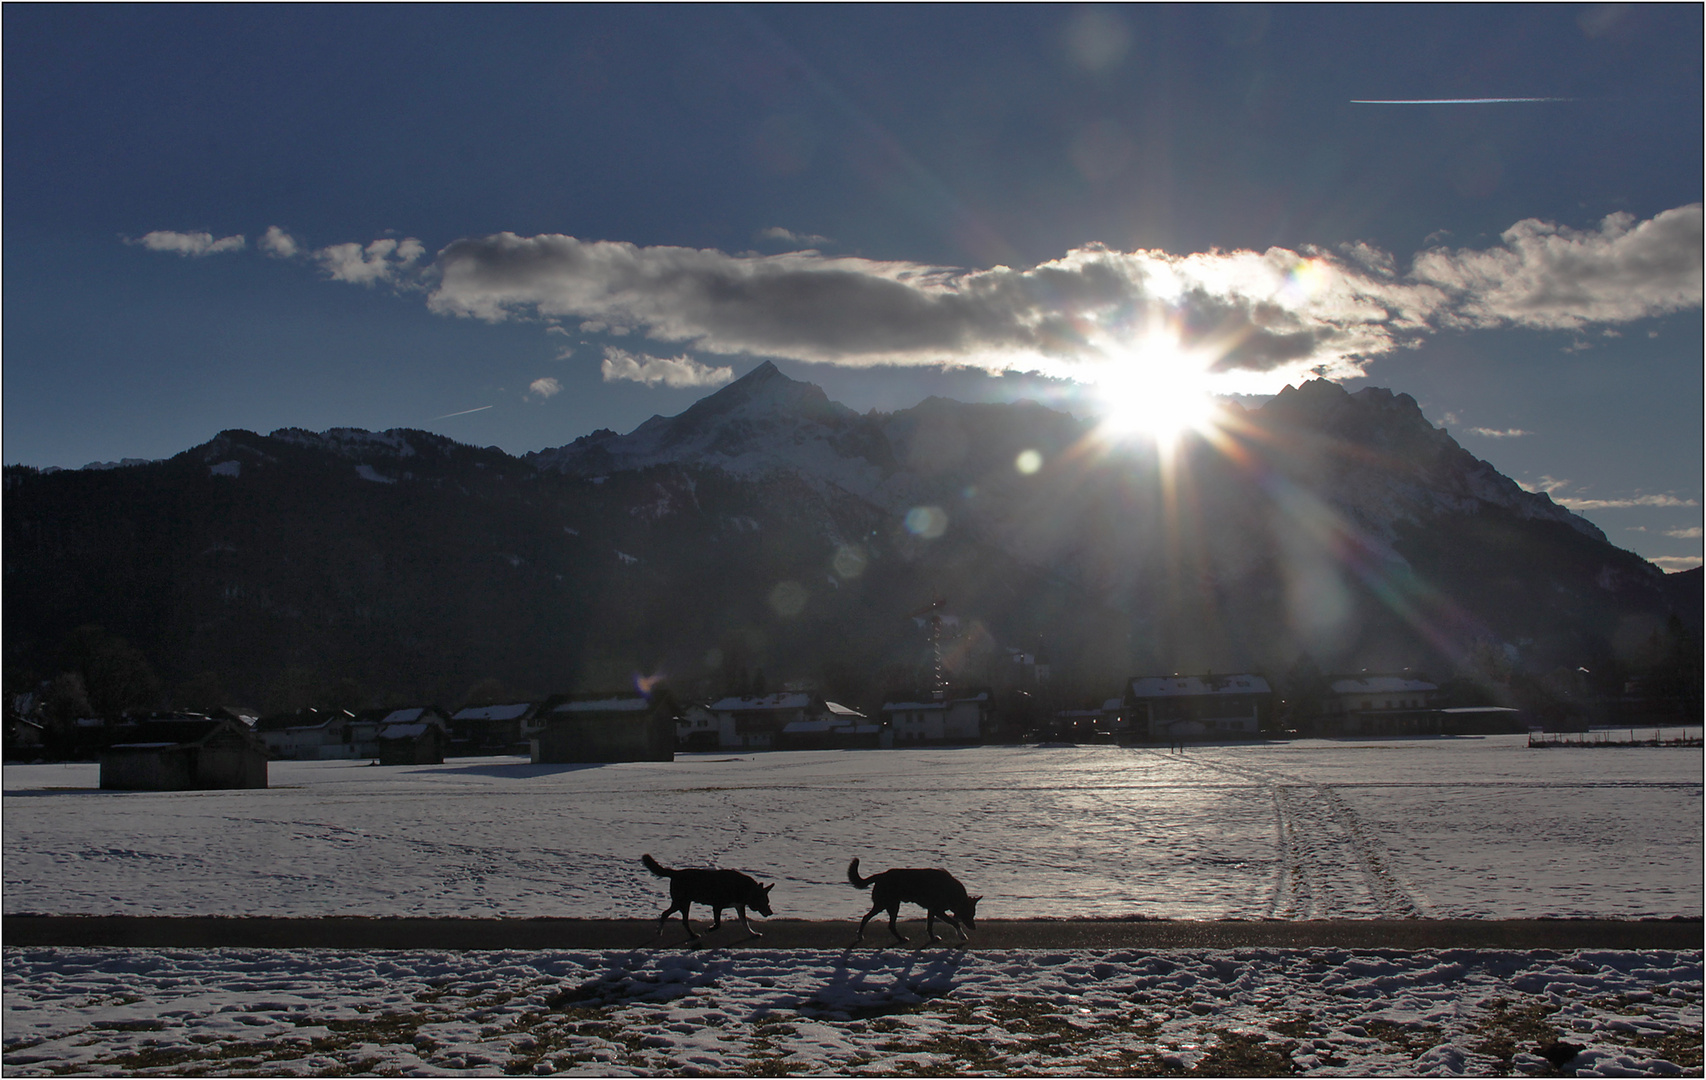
[[931, 614]]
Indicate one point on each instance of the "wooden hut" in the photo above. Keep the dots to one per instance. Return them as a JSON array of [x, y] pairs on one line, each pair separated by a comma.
[[605, 728], [184, 754]]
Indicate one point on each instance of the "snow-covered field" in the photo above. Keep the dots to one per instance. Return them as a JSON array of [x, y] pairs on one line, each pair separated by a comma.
[[1437, 828], [891, 1012], [1476, 828]]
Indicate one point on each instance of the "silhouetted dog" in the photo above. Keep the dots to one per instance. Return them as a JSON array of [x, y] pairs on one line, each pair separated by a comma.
[[716, 889], [936, 891]]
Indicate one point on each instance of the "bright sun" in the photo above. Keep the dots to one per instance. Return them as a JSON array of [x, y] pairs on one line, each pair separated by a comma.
[[1158, 391]]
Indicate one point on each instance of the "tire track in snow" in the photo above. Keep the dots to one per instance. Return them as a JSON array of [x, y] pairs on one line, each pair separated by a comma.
[[1319, 842]]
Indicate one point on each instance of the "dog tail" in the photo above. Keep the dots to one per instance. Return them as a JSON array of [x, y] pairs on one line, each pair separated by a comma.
[[652, 865], [854, 879]]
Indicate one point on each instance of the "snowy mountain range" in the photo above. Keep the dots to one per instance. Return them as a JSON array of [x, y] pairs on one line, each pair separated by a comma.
[[768, 527]]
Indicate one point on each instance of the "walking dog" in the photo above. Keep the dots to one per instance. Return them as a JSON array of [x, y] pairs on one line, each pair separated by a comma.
[[938, 892], [716, 889]]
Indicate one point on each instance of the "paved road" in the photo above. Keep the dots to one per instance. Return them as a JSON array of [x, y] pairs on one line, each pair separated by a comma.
[[544, 934]]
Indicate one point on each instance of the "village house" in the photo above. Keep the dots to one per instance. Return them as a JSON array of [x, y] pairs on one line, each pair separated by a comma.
[[1171, 708], [961, 719], [320, 736], [186, 753], [606, 727], [755, 722], [497, 729], [416, 736], [1381, 705], [838, 727], [697, 729], [1106, 723]]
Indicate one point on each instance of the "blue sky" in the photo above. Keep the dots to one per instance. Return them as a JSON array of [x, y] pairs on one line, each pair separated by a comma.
[[514, 225]]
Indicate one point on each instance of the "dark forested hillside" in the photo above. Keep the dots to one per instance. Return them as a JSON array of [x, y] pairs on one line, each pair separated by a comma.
[[768, 529]]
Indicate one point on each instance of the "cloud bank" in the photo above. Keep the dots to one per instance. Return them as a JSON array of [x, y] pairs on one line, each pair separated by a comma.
[[1253, 321], [622, 366], [193, 244]]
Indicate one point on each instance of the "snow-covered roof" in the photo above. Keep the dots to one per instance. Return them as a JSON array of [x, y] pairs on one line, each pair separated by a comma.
[[609, 704], [402, 716], [494, 712], [1462, 709], [404, 731], [1113, 704], [768, 702], [143, 746], [1381, 684], [1161, 686], [837, 709]]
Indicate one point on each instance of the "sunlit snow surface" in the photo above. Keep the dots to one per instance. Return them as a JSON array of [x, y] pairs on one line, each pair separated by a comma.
[[1469, 827], [1483, 828]]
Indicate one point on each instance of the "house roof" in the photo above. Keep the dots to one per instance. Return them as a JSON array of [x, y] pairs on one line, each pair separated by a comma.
[[765, 703], [403, 716], [1381, 684], [837, 709], [1168, 686], [158, 734], [494, 712], [404, 731]]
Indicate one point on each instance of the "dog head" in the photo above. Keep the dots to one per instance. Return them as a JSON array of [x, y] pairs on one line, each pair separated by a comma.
[[968, 914], [758, 898]]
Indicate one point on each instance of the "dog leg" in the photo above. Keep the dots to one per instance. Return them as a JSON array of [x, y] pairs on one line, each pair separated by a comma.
[[860, 936], [716, 918], [691, 936], [894, 914], [740, 909], [930, 926]]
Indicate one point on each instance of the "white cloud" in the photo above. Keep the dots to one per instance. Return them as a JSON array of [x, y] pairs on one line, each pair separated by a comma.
[[1693, 532], [279, 244], [681, 371], [1261, 319], [1623, 504], [1498, 433], [778, 235], [1551, 277], [194, 244], [382, 260], [1672, 563], [1547, 484], [546, 387]]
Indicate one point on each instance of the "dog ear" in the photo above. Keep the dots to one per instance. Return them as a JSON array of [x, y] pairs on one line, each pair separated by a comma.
[[770, 886], [975, 899]]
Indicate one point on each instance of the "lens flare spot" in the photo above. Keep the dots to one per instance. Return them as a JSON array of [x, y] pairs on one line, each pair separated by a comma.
[[927, 522], [788, 599], [1028, 462], [850, 561]]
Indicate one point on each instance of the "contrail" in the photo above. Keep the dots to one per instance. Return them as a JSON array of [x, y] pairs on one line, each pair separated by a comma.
[[464, 412], [1458, 101]]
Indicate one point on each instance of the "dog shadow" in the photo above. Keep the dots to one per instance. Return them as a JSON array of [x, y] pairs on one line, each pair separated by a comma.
[[876, 983]]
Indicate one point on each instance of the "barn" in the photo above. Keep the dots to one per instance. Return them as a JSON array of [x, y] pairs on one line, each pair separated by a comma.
[[184, 754], [607, 727]]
